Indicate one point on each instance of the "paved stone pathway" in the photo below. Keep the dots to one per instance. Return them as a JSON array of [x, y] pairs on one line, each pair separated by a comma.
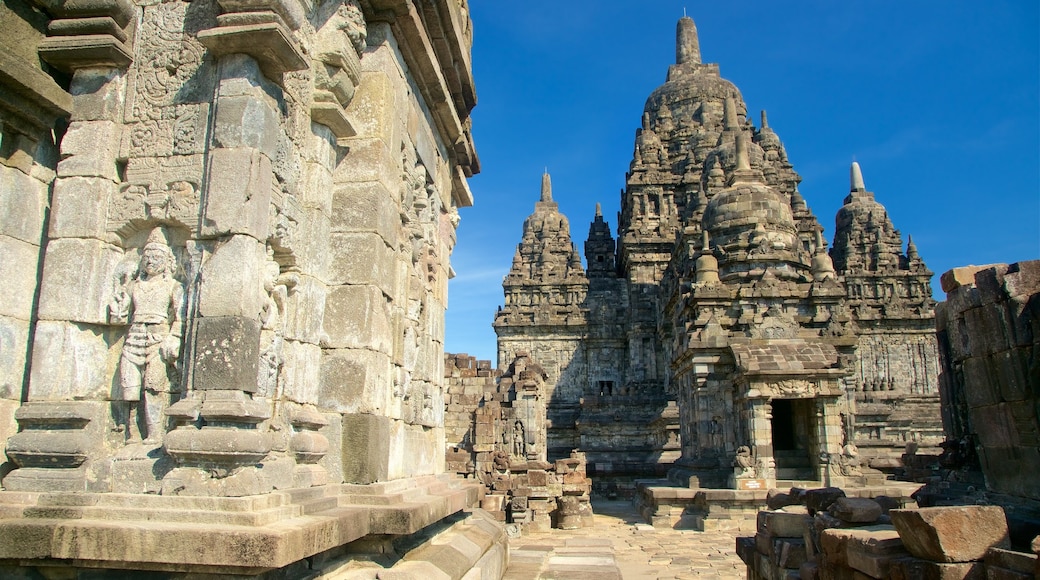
[[621, 547]]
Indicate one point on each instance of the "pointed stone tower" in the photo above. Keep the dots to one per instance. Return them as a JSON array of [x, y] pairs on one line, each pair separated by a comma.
[[544, 313], [890, 299]]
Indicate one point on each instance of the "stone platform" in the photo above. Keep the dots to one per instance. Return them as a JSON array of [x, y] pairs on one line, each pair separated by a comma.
[[704, 509], [290, 531]]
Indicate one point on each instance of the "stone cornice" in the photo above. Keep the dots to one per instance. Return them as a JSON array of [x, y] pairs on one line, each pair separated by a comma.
[[432, 62]]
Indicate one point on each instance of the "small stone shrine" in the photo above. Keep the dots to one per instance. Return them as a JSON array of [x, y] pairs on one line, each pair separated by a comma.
[[226, 232], [496, 430]]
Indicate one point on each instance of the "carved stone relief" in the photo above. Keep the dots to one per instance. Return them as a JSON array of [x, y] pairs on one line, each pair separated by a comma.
[[150, 300]]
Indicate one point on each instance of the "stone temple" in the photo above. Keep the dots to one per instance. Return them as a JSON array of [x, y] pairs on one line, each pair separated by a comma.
[[225, 234], [718, 335]]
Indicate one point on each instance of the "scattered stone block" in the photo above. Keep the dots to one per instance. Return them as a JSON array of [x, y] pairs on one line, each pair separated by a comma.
[[917, 569], [781, 524], [872, 552], [855, 510], [818, 500], [952, 534]]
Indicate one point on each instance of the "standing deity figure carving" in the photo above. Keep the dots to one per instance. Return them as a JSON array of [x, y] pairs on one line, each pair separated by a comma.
[[151, 301], [277, 287], [519, 444]]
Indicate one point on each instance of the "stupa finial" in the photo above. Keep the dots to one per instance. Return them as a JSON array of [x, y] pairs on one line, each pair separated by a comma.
[[856, 176], [687, 46]]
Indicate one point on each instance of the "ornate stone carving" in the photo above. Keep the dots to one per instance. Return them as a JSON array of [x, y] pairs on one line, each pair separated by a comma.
[[151, 301], [744, 463], [793, 388], [277, 287]]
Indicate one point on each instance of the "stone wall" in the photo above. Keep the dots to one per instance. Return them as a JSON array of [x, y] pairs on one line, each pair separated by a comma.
[[229, 273], [989, 337]]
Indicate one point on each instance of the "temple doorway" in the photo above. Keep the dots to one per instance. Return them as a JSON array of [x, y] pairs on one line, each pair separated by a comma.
[[793, 438]]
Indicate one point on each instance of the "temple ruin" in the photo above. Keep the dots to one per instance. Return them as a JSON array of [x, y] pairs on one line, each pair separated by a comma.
[[718, 336], [226, 234]]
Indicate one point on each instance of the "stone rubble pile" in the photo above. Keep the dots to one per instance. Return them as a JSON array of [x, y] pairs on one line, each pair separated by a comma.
[[823, 534], [495, 424]]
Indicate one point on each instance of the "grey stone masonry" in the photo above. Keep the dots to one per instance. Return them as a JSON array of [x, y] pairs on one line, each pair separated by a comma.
[[716, 334], [226, 229]]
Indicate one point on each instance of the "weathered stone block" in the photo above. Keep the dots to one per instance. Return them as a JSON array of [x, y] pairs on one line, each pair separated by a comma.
[[97, 94], [366, 207], [855, 510], [307, 302], [781, 524], [835, 541], [415, 450], [963, 276], [994, 426], [227, 351], [355, 381], [310, 243], [370, 160], [303, 372], [316, 186], [246, 121], [952, 534], [78, 277], [80, 207], [22, 200], [989, 330], [362, 258], [1012, 374], [1011, 470], [980, 385], [818, 500], [89, 149], [358, 317], [239, 193], [790, 553], [1009, 565], [70, 362], [872, 552], [14, 340], [366, 448], [916, 569], [372, 110], [19, 261], [231, 279]]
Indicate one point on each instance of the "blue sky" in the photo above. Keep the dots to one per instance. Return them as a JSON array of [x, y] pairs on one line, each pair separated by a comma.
[[939, 101]]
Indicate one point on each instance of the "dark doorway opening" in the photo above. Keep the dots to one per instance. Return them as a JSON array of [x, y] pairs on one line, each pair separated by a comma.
[[793, 438]]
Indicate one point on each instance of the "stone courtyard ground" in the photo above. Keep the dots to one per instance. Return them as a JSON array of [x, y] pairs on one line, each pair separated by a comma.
[[621, 547]]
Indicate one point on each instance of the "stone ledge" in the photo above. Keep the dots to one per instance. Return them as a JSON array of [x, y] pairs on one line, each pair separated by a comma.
[[247, 535]]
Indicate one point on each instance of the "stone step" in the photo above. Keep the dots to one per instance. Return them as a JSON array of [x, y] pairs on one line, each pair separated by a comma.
[[178, 516], [800, 473]]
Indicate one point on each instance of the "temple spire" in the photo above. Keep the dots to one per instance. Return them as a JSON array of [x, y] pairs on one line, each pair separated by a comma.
[[546, 187], [856, 176], [687, 46], [765, 120], [599, 210]]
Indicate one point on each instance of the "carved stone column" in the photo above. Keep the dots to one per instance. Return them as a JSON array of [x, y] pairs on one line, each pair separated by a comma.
[[224, 442], [217, 444], [65, 420], [760, 427]]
